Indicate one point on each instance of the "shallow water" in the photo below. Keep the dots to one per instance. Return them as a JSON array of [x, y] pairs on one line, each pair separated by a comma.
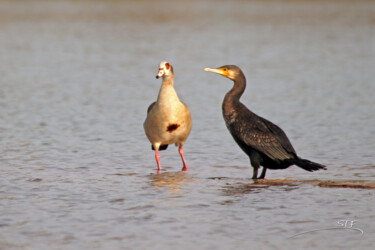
[[77, 77]]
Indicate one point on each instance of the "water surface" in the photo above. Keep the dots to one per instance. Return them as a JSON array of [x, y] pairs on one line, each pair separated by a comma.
[[77, 77]]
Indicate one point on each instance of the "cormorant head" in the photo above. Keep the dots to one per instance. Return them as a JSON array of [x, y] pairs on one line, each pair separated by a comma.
[[165, 69], [229, 71]]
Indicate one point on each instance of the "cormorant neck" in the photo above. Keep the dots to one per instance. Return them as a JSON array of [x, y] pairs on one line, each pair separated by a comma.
[[234, 95]]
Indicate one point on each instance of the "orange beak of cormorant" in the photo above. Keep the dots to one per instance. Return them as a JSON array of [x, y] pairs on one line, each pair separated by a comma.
[[221, 71]]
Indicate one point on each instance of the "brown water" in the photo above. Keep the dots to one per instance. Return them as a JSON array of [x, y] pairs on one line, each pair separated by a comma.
[[76, 79]]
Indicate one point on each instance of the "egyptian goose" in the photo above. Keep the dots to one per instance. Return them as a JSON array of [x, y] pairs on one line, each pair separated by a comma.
[[168, 119]]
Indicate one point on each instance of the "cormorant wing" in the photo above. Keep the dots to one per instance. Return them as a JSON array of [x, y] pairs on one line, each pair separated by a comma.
[[262, 135]]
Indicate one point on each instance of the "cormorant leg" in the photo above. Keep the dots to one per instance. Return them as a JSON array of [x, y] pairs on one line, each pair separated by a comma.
[[263, 174], [255, 161], [157, 157], [181, 151], [255, 173]]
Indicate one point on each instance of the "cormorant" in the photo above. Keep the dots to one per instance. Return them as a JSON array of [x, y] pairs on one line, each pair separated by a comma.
[[264, 142], [168, 119]]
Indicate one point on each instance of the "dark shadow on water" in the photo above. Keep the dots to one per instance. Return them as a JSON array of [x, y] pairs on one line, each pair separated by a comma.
[[241, 189], [255, 186], [237, 189]]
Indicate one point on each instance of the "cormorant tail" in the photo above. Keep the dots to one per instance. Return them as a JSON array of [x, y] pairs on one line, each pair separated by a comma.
[[308, 165]]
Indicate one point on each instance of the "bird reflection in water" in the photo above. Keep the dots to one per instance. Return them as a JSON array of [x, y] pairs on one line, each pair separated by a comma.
[[258, 185], [173, 181]]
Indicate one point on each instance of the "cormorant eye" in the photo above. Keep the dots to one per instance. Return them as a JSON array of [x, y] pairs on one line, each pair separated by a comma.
[[224, 69]]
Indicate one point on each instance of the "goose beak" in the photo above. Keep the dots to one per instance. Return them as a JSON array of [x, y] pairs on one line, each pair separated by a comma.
[[160, 74]]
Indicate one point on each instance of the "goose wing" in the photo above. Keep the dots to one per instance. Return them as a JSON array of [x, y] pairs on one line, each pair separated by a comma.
[[150, 107]]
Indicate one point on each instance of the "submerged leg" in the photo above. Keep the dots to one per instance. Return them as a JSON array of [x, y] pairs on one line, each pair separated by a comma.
[[157, 157], [263, 174], [181, 151]]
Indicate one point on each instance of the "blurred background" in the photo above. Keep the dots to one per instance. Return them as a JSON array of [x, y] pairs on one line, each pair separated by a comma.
[[76, 78]]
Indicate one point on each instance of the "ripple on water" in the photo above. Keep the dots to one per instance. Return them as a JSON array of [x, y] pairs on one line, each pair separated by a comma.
[[77, 170]]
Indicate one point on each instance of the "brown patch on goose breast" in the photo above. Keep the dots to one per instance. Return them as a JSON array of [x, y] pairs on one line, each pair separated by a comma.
[[172, 127]]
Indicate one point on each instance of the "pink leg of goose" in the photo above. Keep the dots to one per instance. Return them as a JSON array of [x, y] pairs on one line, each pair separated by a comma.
[[181, 151], [157, 157]]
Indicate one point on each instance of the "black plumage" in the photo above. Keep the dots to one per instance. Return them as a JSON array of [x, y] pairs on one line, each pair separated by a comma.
[[265, 143]]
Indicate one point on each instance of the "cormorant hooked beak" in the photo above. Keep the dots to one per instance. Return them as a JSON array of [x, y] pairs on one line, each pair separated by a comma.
[[221, 71]]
